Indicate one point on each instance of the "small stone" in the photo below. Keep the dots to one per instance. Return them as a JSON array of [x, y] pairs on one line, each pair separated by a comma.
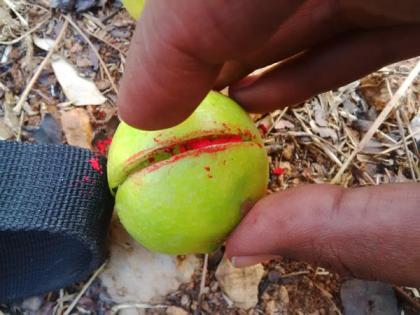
[[173, 310], [368, 297]]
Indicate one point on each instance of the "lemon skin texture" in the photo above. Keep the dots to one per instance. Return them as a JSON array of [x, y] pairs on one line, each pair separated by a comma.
[[134, 7]]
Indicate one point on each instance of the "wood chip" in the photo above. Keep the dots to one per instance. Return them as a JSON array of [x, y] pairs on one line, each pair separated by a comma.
[[77, 128]]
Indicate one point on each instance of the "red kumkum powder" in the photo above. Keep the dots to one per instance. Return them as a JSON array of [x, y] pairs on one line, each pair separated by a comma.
[[205, 142], [278, 171], [103, 144], [94, 162]]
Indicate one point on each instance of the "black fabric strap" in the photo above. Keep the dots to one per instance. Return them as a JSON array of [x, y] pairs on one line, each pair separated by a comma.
[[55, 209]]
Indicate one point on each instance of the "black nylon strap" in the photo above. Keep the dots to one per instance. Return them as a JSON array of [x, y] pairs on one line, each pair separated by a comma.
[[55, 208]]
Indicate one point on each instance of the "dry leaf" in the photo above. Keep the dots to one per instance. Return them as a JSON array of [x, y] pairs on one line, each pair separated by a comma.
[[83, 62], [320, 115], [10, 117], [77, 128], [362, 125], [350, 107], [5, 56], [80, 91], [374, 90], [415, 126], [43, 43], [240, 284], [324, 132], [373, 146], [283, 124]]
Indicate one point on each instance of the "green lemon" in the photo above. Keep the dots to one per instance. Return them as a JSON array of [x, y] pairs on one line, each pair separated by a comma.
[[183, 189], [134, 7]]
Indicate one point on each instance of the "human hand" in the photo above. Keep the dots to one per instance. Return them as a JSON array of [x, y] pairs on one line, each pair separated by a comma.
[[181, 49]]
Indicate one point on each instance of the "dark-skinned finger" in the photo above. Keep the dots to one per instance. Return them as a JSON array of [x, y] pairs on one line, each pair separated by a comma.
[[313, 23], [328, 67], [370, 233], [178, 49], [379, 13]]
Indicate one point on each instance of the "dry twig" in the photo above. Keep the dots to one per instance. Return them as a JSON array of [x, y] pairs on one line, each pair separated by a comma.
[[203, 275], [38, 71], [101, 61], [12, 7], [85, 287], [120, 307]]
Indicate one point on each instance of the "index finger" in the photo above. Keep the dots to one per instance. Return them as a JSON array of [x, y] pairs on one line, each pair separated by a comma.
[[178, 49]]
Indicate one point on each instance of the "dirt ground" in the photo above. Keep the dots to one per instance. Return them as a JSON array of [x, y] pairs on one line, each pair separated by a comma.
[[306, 144]]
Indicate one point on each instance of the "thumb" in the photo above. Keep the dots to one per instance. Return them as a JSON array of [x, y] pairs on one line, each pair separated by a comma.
[[371, 232]]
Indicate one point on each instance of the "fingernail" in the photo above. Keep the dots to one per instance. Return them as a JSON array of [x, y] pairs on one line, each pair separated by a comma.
[[244, 82], [247, 261]]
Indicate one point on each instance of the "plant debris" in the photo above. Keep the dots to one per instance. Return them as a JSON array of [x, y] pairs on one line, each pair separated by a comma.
[[240, 284], [78, 90], [77, 128]]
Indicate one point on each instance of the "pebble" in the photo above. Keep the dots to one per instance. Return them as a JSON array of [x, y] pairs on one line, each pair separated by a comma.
[[368, 297]]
